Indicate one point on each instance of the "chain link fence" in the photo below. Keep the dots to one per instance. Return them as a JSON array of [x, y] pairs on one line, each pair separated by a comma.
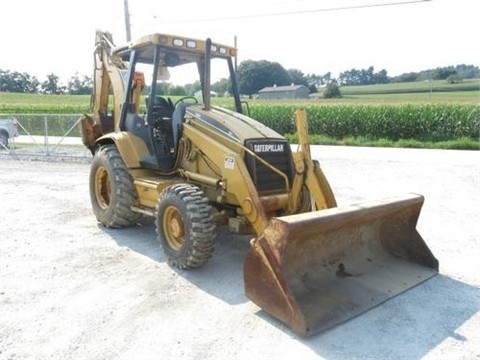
[[55, 136]]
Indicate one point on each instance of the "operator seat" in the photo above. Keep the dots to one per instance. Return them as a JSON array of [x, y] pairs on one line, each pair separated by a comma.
[[161, 108], [161, 140]]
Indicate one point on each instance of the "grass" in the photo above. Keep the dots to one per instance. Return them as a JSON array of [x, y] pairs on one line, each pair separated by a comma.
[[464, 97], [458, 144], [43, 99], [413, 87], [467, 91]]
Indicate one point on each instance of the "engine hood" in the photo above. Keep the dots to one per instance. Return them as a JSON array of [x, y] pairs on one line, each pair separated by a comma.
[[236, 126]]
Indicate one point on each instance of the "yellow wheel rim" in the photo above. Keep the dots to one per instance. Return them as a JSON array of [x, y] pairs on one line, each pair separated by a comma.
[[174, 228], [102, 187]]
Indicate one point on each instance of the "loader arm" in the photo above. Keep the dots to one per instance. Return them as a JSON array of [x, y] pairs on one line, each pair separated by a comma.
[[308, 172]]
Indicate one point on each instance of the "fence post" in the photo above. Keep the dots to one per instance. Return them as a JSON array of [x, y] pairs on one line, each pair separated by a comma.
[[46, 134]]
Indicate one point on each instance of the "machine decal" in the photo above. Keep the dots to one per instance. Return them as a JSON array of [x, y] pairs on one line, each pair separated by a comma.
[[229, 162], [261, 148]]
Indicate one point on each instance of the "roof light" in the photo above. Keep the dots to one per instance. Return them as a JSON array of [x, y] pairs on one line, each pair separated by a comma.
[[178, 42], [191, 44], [213, 48], [222, 50]]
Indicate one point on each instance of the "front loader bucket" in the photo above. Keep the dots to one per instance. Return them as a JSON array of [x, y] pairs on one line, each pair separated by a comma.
[[318, 269]]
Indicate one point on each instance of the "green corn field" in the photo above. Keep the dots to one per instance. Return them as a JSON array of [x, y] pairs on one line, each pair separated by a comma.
[[373, 120], [424, 122]]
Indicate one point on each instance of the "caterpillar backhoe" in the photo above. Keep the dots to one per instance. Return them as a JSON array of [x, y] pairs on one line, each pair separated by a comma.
[[193, 167]]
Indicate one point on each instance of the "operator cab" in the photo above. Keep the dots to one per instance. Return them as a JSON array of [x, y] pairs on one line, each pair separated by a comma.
[[157, 56]]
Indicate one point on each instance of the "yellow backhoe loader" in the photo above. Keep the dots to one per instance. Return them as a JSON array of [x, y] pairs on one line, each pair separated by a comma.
[[193, 166]]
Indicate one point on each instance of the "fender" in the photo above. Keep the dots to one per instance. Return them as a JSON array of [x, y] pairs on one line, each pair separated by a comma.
[[131, 147]]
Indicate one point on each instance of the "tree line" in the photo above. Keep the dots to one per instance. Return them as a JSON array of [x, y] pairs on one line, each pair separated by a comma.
[[14, 81], [252, 76]]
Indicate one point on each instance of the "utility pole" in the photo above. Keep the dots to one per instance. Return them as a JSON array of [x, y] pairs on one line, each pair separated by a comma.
[[127, 20]]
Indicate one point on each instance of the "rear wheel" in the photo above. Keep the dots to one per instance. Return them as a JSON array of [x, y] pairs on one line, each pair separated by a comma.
[[185, 226], [111, 189]]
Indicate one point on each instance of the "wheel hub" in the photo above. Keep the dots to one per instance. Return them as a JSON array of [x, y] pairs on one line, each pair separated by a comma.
[[174, 228], [102, 187]]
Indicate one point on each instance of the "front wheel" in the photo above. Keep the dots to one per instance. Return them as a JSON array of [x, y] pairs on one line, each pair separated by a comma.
[[185, 226], [111, 189]]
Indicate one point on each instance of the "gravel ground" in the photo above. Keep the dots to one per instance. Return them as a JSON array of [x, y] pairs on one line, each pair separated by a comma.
[[71, 289]]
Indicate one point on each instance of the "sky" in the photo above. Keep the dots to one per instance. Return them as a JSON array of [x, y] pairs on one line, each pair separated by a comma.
[[41, 37]]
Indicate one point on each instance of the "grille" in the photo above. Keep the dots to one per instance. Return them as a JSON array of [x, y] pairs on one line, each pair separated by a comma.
[[278, 154]]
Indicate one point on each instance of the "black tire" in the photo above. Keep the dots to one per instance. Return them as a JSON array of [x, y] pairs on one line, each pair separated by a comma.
[[185, 226], [3, 139], [111, 189]]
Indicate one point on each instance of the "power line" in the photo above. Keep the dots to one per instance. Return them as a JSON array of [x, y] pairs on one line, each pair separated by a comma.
[[297, 12]]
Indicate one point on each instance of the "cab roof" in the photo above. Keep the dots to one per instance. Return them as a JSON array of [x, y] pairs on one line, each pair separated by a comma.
[[182, 49]]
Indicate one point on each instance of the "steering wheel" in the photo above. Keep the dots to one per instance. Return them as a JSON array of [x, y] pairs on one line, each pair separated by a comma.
[[181, 100], [170, 103]]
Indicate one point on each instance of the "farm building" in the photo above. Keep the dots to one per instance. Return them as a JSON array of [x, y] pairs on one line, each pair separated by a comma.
[[284, 92]]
